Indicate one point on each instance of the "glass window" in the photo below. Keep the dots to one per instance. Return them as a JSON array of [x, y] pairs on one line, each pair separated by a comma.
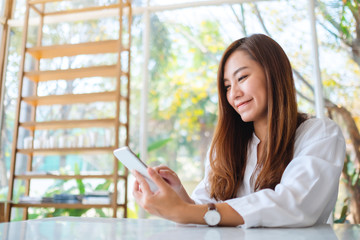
[[170, 2], [2, 7], [185, 48], [184, 57], [8, 108], [3, 172]]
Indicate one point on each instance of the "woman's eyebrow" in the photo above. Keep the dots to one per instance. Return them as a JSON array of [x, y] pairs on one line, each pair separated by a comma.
[[238, 70]]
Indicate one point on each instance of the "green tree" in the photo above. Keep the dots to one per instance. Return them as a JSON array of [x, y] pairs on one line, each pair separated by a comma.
[[341, 19], [184, 103]]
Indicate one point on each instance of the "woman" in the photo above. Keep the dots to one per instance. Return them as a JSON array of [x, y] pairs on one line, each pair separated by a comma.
[[268, 165]]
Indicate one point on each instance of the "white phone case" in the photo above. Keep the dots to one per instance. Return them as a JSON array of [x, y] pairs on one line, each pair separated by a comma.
[[132, 162]]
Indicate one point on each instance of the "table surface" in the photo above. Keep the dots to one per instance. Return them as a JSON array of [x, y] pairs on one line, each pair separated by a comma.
[[80, 228]]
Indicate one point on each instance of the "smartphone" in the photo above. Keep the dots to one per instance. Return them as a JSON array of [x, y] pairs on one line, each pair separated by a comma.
[[132, 162]]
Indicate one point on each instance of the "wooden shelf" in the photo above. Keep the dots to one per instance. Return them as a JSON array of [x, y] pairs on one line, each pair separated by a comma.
[[79, 10], [70, 74], [117, 47], [62, 205], [65, 124], [86, 9], [71, 98], [31, 2], [65, 177], [65, 151], [107, 46]]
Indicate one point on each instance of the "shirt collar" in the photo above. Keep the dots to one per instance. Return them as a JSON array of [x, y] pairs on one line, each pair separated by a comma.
[[255, 139]]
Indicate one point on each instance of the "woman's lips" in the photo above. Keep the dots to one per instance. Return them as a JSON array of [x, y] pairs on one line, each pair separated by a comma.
[[242, 104]]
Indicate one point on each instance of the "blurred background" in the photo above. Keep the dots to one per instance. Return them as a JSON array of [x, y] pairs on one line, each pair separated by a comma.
[[175, 87]]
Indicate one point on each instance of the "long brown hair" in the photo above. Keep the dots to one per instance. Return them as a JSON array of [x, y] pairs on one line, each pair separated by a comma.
[[228, 152]]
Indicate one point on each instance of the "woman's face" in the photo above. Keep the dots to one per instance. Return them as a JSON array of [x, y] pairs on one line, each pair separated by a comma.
[[246, 87]]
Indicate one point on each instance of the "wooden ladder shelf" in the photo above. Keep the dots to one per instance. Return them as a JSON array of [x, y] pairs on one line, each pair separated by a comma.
[[118, 98]]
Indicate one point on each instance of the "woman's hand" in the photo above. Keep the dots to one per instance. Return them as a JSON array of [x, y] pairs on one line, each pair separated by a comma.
[[165, 202], [173, 180]]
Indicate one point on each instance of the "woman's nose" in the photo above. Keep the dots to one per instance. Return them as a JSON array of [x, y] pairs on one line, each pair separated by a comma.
[[235, 91]]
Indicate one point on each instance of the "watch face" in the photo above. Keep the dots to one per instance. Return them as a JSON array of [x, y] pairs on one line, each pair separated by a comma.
[[212, 218]]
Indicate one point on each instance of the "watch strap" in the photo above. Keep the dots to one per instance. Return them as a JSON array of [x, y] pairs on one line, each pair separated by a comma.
[[211, 206], [212, 217]]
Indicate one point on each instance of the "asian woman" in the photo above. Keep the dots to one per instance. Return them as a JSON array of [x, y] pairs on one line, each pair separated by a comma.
[[268, 165]]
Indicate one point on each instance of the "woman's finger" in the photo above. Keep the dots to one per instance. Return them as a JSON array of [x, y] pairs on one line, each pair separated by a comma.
[[166, 173], [162, 167], [136, 186], [144, 186], [170, 177], [158, 180]]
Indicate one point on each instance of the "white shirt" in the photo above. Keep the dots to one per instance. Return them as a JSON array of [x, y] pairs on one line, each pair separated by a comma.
[[308, 189]]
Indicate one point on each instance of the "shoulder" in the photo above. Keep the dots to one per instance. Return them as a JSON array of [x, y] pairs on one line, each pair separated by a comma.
[[317, 129]]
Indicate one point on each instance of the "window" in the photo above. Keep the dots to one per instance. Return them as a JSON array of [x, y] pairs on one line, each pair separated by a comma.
[[184, 53]]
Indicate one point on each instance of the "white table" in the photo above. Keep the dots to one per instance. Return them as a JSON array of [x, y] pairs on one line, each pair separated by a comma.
[[76, 228]]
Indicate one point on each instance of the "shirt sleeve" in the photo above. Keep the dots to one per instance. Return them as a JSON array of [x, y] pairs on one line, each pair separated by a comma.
[[308, 188], [201, 195]]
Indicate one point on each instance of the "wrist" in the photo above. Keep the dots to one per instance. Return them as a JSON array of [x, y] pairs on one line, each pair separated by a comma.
[[181, 213], [191, 213], [212, 217]]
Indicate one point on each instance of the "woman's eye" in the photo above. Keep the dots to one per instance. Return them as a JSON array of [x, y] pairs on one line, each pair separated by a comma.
[[227, 88], [242, 78]]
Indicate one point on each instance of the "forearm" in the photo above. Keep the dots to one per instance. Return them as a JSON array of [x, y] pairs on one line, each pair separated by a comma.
[[194, 214]]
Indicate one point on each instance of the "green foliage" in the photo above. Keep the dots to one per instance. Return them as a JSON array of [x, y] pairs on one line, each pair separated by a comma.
[[66, 212], [58, 188], [184, 104], [20, 190], [352, 171], [341, 17], [160, 48], [351, 179], [159, 144], [104, 186], [344, 24], [79, 182], [344, 212]]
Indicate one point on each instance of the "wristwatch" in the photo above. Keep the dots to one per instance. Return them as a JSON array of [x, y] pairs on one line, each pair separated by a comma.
[[212, 217]]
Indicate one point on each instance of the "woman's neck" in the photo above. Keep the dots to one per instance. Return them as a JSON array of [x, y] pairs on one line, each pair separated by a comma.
[[260, 129]]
